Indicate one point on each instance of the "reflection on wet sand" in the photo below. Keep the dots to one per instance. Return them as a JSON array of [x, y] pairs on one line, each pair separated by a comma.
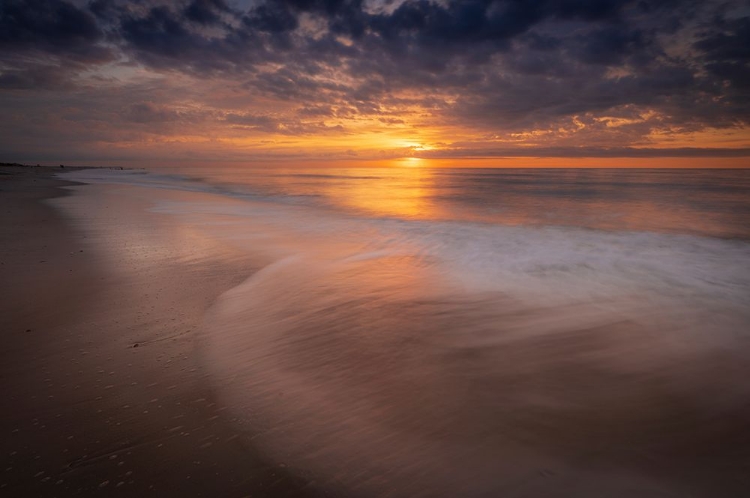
[[710, 202], [402, 340], [384, 379]]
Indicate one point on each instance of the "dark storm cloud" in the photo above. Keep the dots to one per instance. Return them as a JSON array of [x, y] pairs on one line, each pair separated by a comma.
[[49, 27], [494, 65], [420, 34], [726, 51], [273, 18], [196, 42], [479, 20], [727, 41], [614, 45], [48, 24], [44, 44], [205, 11], [162, 33]]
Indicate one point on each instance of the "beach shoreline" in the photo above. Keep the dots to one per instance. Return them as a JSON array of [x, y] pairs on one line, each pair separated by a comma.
[[101, 364], [166, 337]]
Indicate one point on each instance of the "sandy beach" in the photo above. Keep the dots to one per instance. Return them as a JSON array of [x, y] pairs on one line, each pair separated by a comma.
[[169, 336], [102, 392]]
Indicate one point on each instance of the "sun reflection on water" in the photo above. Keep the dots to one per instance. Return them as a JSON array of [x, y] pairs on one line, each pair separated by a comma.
[[400, 192]]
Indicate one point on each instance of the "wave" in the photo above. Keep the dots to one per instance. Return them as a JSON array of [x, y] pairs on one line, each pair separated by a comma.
[[380, 377], [444, 359], [403, 358]]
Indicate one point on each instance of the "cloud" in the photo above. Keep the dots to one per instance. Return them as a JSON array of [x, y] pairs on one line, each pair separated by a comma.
[[205, 12], [266, 123], [50, 28], [148, 112], [555, 69], [163, 35], [35, 78], [272, 18], [726, 52], [51, 25], [273, 124], [595, 152]]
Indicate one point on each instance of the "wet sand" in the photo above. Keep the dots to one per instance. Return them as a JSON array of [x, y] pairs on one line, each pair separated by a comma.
[[99, 369], [114, 314]]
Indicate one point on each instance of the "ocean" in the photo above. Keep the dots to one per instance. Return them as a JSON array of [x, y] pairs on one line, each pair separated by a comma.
[[457, 332]]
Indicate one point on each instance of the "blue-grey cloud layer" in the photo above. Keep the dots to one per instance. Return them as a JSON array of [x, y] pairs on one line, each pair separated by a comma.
[[494, 65]]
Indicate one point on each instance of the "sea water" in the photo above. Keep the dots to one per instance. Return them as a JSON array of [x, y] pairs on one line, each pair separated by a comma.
[[420, 332]]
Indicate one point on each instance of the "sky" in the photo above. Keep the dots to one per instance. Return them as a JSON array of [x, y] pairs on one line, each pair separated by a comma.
[[376, 82]]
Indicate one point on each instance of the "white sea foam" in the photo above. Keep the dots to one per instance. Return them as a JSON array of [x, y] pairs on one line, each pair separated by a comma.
[[422, 358], [566, 264]]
